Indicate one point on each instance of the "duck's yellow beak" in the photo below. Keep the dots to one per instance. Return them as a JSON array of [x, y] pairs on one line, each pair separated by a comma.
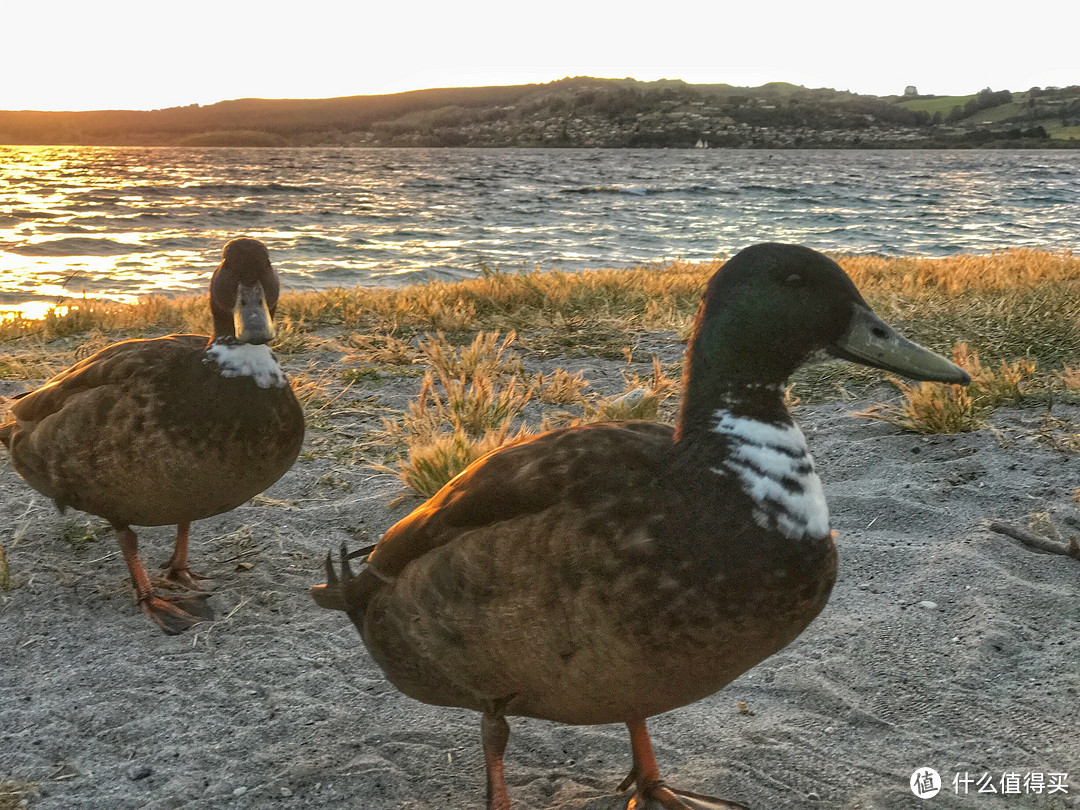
[[872, 342], [251, 316]]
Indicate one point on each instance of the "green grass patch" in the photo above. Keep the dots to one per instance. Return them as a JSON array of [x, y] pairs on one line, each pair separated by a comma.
[[5, 571], [941, 104], [1058, 132], [365, 375], [81, 534]]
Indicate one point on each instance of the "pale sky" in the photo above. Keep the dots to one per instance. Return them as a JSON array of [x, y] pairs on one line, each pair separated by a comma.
[[123, 54]]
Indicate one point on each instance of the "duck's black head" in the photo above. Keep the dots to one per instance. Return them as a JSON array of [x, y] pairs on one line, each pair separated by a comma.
[[771, 306], [244, 293]]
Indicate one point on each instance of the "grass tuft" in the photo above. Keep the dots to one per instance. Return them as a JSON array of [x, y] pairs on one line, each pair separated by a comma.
[[385, 350], [561, 387], [1071, 378], [363, 375], [929, 407], [437, 459], [16, 794], [468, 405], [80, 534], [992, 388], [484, 359], [640, 399]]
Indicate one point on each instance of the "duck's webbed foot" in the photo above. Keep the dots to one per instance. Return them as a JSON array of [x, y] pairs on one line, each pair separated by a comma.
[[184, 577], [173, 614], [651, 791]]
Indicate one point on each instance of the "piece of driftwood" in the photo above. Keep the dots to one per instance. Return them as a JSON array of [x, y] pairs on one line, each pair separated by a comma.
[[1069, 549]]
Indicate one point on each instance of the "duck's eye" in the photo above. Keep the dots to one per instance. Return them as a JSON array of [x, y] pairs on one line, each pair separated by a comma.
[[794, 280]]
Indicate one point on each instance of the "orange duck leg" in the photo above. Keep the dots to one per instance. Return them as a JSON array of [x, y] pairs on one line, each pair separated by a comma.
[[173, 614], [651, 790], [495, 732], [177, 569]]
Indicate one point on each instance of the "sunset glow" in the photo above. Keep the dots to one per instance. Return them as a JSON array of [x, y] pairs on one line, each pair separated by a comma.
[[117, 54]]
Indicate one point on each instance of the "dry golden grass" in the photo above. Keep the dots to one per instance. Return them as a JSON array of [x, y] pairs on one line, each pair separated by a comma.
[[379, 349], [640, 399], [955, 275], [1007, 304], [16, 794], [938, 408], [486, 358], [433, 462], [560, 387], [316, 389], [1070, 376], [469, 403], [1017, 303], [929, 408], [37, 366], [991, 388], [291, 336], [472, 399]]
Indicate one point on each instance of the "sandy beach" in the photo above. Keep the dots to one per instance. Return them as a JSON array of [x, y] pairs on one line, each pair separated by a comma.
[[944, 645]]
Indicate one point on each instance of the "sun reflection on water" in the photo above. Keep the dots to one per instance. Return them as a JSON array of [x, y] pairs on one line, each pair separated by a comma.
[[117, 223], [33, 311]]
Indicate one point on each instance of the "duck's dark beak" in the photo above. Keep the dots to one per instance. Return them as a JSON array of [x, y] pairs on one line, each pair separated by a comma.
[[251, 315], [872, 342]]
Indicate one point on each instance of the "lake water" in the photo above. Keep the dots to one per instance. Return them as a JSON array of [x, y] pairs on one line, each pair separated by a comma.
[[123, 222]]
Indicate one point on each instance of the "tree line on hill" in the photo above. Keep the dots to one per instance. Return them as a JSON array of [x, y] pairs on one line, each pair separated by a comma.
[[577, 112]]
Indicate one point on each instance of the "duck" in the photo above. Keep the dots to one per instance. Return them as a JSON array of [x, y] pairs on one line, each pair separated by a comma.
[[614, 571], [168, 430]]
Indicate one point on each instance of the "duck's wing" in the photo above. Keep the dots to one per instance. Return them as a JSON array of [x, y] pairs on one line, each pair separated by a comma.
[[592, 466], [600, 469], [115, 364]]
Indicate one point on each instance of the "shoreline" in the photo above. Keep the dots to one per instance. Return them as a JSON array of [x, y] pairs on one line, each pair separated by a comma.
[[974, 298]]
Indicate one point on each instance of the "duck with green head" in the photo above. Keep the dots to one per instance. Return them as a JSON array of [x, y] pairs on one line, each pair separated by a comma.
[[610, 572], [169, 430]]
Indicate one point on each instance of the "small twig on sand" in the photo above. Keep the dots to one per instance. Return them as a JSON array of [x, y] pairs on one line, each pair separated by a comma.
[[1070, 549], [108, 556]]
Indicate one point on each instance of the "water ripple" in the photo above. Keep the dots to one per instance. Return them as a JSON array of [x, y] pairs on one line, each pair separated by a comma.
[[122, 222]]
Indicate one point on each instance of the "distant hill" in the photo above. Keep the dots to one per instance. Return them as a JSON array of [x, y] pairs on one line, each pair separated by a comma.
[[584, 112]]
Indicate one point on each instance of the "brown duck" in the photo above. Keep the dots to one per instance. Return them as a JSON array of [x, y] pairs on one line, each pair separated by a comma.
[[610, 572], [169, 430]]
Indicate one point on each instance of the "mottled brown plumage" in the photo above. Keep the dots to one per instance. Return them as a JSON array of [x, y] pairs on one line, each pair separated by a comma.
[[610, 572], [153, 432], [609, 510]]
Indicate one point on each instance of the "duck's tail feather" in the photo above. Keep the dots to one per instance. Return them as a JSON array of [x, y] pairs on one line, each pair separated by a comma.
[[350, 591]]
